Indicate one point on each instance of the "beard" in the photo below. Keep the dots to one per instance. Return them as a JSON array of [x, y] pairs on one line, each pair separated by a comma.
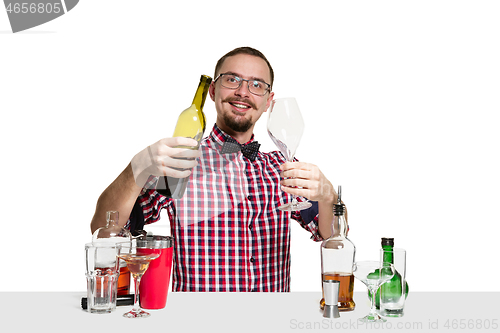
[[237, 126]]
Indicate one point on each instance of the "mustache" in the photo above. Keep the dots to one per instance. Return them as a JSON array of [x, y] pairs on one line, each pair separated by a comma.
[[236, 99]]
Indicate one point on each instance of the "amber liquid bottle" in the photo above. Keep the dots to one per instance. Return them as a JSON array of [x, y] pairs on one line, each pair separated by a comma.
[[337, 258], [190, 124]]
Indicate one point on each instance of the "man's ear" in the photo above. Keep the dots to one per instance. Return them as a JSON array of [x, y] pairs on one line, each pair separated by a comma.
[[211, 91], [269, 100]]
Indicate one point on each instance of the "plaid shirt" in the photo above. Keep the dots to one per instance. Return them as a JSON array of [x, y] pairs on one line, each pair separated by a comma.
[[229, 234]]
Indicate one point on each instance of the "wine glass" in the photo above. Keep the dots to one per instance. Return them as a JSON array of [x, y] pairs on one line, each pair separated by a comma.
[[137, 265], [373, 274], [285, 127]]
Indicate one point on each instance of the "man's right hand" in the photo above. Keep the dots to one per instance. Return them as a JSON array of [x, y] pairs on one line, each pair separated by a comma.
[[162, 159]]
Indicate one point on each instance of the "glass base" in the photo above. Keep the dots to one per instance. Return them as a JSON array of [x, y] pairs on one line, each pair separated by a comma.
[[136, 314], [291, 207], [107, 310], [392, 313], [372, 318]]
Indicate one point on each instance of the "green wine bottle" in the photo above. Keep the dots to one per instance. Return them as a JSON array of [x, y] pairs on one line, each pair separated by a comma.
[[190, 124], [391, 291]]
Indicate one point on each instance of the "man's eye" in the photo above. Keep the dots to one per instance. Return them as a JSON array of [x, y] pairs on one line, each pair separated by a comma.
[[257, 84]]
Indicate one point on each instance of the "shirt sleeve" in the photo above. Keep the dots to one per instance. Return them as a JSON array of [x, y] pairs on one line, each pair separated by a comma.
[[148, 206], [308, 219]]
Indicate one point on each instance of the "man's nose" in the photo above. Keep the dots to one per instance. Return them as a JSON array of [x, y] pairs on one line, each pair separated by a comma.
[[243, 89]]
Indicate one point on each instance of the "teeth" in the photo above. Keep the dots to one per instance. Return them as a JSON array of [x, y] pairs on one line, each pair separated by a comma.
[[241, 106]]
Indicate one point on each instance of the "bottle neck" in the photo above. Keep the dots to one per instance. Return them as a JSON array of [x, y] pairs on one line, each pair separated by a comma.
[[111, 223], [201, 92], [339, 226], [388, 256], [111, 218]]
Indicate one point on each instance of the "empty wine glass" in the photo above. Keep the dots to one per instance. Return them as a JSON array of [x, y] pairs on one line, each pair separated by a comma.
[[373, 274], [285, 127]]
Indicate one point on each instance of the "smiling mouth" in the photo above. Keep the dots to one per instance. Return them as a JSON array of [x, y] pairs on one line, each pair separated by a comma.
[[240, 106]]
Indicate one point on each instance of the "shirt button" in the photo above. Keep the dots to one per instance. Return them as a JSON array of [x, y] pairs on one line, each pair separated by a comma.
[[249, 197], [250, 226], [252, 259]]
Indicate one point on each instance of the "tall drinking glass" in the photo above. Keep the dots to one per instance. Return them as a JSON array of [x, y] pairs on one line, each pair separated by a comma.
[[392, 295], [285, 127], [102, 271]]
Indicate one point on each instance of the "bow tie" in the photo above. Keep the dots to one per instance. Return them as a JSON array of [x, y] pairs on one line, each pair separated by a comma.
[[250, 150]]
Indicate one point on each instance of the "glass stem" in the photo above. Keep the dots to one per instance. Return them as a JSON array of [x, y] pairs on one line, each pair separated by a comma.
[[294, 197], [372, 301], [137, 281]]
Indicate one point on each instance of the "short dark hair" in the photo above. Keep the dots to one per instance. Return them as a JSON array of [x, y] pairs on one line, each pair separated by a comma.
[[245, 50]]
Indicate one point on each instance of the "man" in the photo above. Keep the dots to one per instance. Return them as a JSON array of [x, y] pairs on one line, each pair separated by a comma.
[[229, 234]]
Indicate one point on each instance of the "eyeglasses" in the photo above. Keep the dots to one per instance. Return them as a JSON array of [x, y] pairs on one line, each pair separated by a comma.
[[231, 81]]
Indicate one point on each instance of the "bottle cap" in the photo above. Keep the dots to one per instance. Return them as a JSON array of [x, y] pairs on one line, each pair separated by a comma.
[[331, 291], [387, 241], [338, 208]]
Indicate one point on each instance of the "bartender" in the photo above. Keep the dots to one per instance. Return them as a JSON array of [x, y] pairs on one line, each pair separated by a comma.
[[229, 234]]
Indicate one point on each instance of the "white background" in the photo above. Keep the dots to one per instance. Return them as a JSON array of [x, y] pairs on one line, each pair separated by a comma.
[[400, 100]]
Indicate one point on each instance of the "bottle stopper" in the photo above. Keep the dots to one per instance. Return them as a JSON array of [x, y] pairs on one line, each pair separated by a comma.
[[331, 291]]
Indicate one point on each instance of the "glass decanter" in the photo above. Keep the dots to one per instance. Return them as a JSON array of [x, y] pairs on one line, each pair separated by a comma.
[[337, 258], [114, 233]]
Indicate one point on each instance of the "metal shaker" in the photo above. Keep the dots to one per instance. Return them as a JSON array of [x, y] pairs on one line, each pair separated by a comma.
[[155, 281]]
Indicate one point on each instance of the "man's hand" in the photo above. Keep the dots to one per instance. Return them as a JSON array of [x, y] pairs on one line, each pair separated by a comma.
[[306, 180], [162, 159]]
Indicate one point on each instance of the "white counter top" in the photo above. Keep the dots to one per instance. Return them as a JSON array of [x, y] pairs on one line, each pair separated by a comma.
[[250, 312]]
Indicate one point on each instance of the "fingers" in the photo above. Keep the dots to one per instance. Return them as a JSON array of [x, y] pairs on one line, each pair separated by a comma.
[[177, 163], [177, 147], [174, 157], [296, 165], [300, 192], [306, 180], [296, 173], [300, 170], [298, 182], [175, 173], [179, 141]]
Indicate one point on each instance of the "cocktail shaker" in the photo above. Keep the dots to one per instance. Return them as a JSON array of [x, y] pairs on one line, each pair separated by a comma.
[[153, 290]]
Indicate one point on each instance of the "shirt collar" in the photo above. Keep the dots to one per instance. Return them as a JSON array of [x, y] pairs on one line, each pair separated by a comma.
[[219, 136]]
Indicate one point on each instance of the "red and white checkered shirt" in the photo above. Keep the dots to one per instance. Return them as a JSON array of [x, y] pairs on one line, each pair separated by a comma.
[[229, 234]]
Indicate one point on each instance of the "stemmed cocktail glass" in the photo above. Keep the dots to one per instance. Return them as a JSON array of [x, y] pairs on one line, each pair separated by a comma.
[[373, 274], [285, 127], [137, 265]]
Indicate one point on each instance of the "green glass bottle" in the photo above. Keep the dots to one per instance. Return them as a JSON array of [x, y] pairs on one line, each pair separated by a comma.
[[191, 124], [391, 291]]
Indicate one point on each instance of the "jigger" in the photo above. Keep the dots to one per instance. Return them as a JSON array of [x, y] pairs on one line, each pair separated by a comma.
[[331, 290]]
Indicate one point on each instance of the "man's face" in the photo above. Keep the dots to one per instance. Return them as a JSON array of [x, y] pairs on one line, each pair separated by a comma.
[[238, 109]]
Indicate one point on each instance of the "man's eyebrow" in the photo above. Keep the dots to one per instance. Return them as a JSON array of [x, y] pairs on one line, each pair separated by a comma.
[[251, 78]]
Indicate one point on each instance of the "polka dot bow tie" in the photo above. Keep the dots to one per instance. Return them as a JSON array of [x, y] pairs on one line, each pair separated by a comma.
[[250, 150]]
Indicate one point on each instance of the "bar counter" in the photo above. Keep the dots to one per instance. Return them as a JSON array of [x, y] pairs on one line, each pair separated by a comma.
[[250, 312]]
